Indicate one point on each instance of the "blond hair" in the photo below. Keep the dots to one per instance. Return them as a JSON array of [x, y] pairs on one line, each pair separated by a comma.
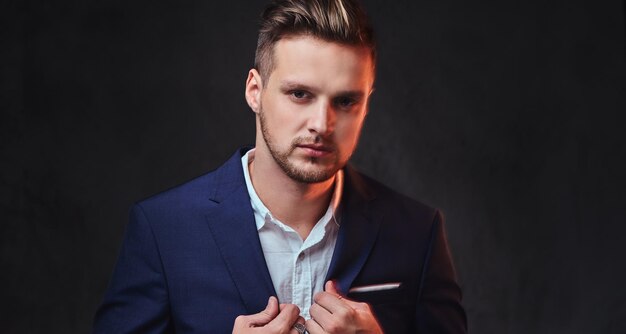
[[341, 21]]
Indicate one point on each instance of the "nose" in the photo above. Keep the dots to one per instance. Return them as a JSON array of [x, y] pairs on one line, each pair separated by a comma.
[[322, 120]]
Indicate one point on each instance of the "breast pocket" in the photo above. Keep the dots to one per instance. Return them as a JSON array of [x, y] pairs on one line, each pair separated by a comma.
[[377, 294]]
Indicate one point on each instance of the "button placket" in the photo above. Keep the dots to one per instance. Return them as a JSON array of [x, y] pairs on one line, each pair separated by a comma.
[[309, 281], [298, 291]]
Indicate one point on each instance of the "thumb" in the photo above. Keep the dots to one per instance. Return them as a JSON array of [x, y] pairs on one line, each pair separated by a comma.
[[331, 287], [268, 314], [272, 308]]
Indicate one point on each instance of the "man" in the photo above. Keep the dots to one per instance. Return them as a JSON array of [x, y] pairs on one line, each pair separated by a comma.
[[284, 237]]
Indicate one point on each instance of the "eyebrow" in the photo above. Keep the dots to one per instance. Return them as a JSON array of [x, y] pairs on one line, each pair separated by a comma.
[[293, 85]]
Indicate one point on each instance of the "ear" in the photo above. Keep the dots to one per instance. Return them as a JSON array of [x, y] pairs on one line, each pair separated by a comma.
[[254, 88]]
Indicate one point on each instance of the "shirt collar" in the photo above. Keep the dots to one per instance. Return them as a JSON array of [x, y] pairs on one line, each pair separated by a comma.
[[259, 208]]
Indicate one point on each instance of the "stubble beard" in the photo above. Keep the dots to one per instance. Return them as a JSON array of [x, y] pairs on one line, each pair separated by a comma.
[[288, 167]]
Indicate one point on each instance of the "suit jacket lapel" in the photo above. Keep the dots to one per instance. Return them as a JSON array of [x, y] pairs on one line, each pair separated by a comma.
[[357, 232], [233, 228]]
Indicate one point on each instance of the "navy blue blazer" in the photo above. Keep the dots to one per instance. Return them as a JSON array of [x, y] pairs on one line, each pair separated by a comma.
[[191, 260]]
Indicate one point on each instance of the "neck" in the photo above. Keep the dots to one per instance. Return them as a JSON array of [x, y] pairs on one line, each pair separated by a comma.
[[296, 204]]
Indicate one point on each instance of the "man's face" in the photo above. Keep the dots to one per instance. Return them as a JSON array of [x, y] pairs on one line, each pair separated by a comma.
[[313, 105]]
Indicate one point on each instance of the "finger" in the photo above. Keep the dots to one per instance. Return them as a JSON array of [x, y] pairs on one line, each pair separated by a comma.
[[262, 318], [331, 287], [301, 321], [322, 316], [334, 304], [313, 327], [318, 312], [286, 318]]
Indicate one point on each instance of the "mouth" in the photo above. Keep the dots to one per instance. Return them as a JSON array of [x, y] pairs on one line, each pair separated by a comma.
[[316, 150]]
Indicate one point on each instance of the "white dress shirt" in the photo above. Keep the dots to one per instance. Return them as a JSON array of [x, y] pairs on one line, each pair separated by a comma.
[[297, 267]]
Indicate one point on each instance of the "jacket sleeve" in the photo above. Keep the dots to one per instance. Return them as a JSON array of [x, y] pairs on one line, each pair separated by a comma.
[[136, 300], [439, 308]]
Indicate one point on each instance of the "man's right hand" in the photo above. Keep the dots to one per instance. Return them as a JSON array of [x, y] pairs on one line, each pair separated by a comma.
[[275, 319]]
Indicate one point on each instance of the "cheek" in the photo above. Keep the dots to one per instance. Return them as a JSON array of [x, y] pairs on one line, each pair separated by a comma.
[[347, 131], [282, 113]]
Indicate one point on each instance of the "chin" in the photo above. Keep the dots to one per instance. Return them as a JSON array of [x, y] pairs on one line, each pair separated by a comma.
[[310, 172]]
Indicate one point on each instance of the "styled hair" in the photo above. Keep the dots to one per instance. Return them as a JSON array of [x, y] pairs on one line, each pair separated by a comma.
[[340, 21]]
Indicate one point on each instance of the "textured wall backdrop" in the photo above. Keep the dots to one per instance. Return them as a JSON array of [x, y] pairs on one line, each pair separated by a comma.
[[503, 114]]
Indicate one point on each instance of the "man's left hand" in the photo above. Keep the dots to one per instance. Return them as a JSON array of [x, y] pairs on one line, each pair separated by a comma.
[[334, 314]]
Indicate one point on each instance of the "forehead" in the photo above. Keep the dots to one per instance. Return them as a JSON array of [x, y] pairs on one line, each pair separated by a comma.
[[314, 61]]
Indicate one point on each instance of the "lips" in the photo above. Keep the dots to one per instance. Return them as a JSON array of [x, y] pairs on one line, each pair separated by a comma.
[[316, 147], [316, 150]]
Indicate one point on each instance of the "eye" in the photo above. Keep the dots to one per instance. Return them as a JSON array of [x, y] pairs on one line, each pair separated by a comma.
[[345, 102], [299, 94]]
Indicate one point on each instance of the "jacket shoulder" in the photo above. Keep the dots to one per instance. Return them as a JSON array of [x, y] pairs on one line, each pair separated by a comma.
[[391, 201], [195, 189], [195, 193]]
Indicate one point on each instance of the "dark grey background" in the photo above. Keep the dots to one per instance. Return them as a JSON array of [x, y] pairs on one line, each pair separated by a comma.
[[504, 114]]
